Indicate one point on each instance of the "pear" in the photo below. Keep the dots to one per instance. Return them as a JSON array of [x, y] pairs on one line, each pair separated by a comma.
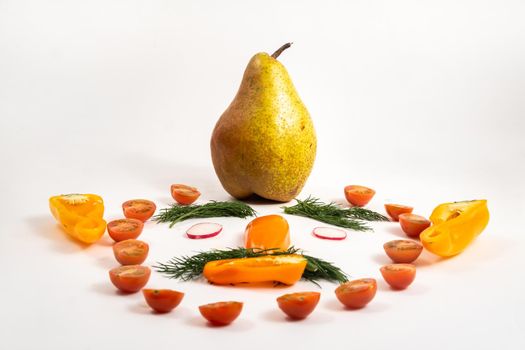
[[264, 143]]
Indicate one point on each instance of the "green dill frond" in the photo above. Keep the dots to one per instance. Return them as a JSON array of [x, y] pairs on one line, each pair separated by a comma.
[[177, 213], [359, 213], [191, 267], [333, 214]]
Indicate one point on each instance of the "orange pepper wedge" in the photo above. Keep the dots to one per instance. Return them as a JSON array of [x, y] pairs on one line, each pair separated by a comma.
[[286, 269], [268, 232]]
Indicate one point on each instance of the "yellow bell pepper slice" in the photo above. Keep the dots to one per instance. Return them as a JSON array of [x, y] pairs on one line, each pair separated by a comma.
[[286, 269], [454, 227], [80, 215]]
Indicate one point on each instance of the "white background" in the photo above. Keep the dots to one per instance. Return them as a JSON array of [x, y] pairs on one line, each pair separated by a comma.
[[421, 100]]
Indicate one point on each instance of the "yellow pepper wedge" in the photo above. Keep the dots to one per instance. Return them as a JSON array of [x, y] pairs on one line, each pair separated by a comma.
[[286, 269], [80, 215], [267, 232], [454, 226]]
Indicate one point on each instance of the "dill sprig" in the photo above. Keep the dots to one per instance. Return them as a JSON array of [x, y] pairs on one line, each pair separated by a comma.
[[333, 214], [359, 213], [177, 213], [191, 267]]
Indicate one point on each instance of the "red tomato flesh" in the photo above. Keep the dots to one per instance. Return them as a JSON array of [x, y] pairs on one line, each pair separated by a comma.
[[131, 252], [298, 305], [399, 276], [122, 229], [140, 209], [394, 210], [130, 278], [162, 300], [184, 194], [359, 196], [403, 251], [357, 293], [413, 224], [221, 313]]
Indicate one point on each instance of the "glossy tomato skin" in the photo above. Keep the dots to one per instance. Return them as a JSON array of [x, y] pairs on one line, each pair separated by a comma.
[[298, 305], [358, 196], [162, 300], [130, 278], [131, 252], [122, 229], [358, 293], [394, 210], [140, 209], [399, 276], [184, 194], [402, 250], [221, 313], [413, 224]]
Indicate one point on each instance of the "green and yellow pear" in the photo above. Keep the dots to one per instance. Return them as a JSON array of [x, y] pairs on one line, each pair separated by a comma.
[[264, 143]]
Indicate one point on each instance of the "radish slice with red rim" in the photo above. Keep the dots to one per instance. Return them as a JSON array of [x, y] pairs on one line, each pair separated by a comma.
[[204, 230], [329, 233]]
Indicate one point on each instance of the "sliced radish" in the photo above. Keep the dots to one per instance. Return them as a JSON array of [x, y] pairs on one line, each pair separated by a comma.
[[204, 230], [329, 233]]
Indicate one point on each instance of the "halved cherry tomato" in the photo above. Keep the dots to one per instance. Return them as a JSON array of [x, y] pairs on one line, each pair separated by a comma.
[[140, 209], [413, 224], [357, 293], [162, 300], [394, 210], [359, 196], [222, 313], [298, 305], [130, 278], [403, 251], [131, 252], [123, 229], [184, 194], [399, 276]]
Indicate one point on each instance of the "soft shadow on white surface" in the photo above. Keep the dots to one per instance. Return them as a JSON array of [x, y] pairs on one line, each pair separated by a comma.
[[317, 317], [239, 325], [396, 231], [381, 259], [487, 247], [108, 289], [106, 262], [105, 241], [180, 312], [161, 174], [426, 259], [143, 309], [417, 288], [413, 289], [373, 307], [46, 228]]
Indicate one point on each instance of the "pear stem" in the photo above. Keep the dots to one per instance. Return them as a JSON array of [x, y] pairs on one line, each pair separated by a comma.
[[281, 49]]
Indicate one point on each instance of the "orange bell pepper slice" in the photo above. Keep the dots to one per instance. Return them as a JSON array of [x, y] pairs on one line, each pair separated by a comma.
[[268, 232], [286, 269]]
